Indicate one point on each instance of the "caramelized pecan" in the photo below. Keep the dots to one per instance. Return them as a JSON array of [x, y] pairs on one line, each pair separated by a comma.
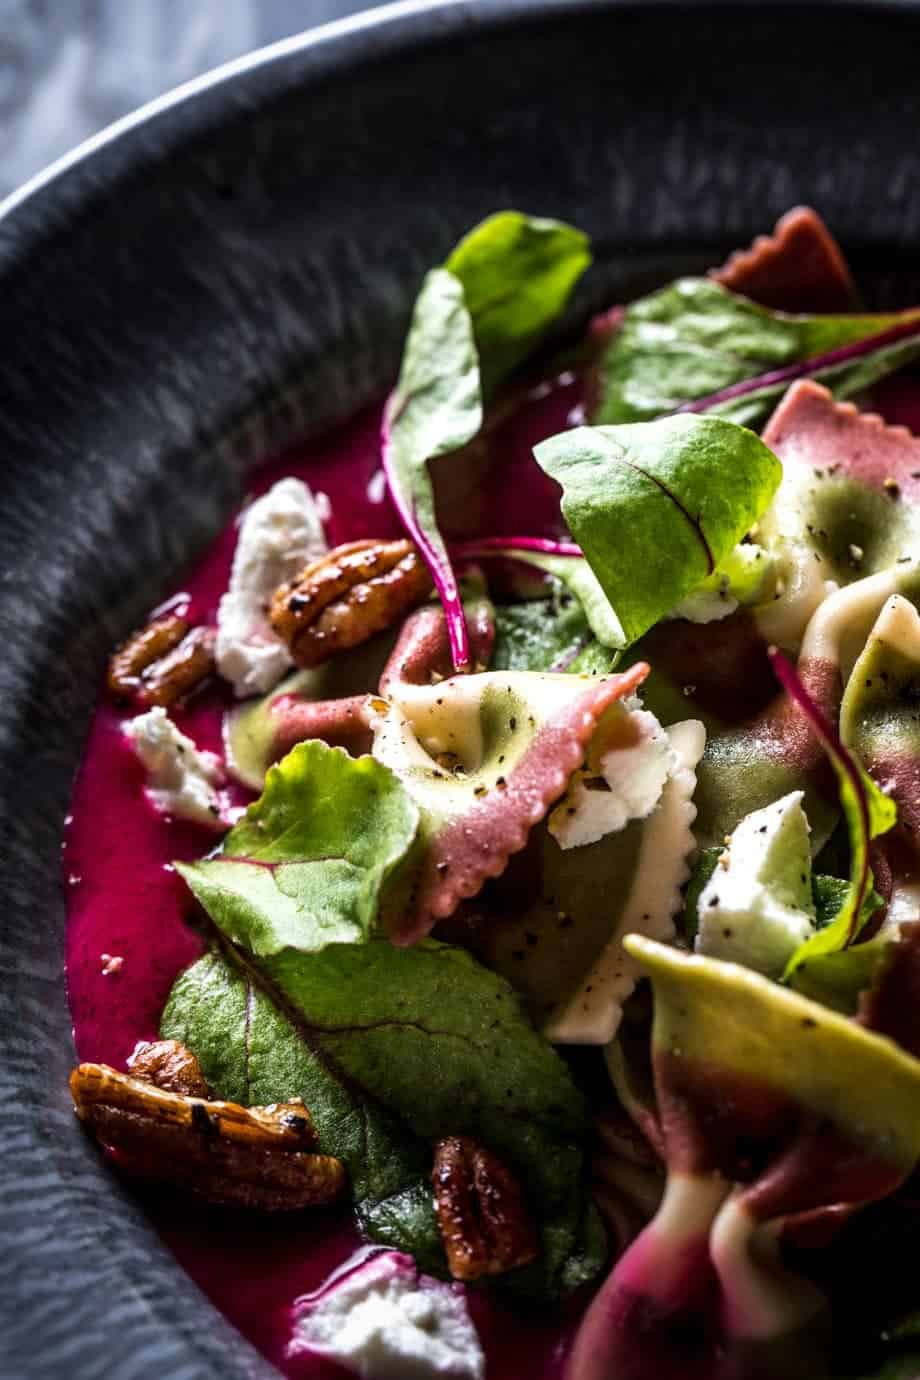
[[180, 671], [161, 662], [258, 1157], [170, 1066], [346, 596], [484, 1224], [141, 650]]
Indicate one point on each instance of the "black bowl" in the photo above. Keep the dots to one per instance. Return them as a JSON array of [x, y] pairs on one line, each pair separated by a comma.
[[233, 267]]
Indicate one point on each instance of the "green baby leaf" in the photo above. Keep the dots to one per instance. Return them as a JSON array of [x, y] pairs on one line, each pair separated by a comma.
[[517, 273], [392, 1049], [309, 861], [655, 507], [575, 573], [694, 338], [846, 378], [539, 635], [475, 320], [705, 864], [838, 980]]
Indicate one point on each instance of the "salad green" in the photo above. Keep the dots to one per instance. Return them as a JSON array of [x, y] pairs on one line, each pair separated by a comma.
[[387, 1047], [307, 864], [671, 498], [694, 339], [475, 320]]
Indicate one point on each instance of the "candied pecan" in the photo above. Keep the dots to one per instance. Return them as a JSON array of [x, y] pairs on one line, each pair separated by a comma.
[[170, 1066], [484, 1224], [258, 1157], [161, 662], [180, 671], [141, 650], [346, 596]]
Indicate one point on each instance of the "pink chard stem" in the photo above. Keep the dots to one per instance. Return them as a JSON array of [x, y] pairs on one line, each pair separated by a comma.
[[434, 554], [806, 368], [842, 759], [490, 546]]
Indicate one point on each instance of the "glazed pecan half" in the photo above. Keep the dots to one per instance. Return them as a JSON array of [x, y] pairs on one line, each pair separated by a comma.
[[170, 1066], [161, 663], [484, 1224], [257, 1157], [346, 596]]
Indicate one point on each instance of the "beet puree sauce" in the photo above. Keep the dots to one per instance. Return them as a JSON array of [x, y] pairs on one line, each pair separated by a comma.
[[125, 900]]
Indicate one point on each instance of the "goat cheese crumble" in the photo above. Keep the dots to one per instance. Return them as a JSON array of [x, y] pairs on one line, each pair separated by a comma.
[[591, 1015], [279, 534], [381, 1319], [629, 761], [182, 780], [757, 907]]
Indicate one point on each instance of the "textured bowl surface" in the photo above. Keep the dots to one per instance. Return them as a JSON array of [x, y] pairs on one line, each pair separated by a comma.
[[234, 269]]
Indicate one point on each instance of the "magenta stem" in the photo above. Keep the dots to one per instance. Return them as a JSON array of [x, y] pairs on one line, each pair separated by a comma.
[[830, 740], [805, 368], [438, 564], [490, 546]]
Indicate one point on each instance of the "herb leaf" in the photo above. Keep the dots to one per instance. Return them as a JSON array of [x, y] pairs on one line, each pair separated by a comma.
[[517, 273], [868, 813], [309, 861], [475, 321], [563, 561], [392, 1049], [655, 507], [539, 635], [704, 866], [694, 339], [436, 408], [847, 372]]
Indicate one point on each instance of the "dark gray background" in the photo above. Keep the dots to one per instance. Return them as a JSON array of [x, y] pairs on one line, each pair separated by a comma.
[[69, 67]]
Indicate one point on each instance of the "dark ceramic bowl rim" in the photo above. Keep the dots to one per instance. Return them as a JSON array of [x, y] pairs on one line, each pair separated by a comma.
[[178, 1333], [391, 27]]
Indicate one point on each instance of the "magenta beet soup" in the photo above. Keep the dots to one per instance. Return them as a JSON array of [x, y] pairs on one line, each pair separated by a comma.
[[493, 876]]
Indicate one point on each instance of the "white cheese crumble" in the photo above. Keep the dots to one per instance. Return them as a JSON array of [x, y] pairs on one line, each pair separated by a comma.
[[381, 1319], [279, 534], [629, 761], [757, 907], [182, 780], [591, 1016], [740, 579]]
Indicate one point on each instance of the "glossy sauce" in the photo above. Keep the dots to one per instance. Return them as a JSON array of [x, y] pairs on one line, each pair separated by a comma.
[[124, 899]]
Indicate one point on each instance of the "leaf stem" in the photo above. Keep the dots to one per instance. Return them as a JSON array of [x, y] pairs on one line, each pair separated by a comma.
[[842, 759], [438, 562], [806, 368], [485, 546]]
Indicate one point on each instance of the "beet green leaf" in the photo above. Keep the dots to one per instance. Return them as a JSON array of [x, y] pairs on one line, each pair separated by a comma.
[[475, 320], [656, 506], [694, 338], [309, 861], [392, 1049], [868, 812]]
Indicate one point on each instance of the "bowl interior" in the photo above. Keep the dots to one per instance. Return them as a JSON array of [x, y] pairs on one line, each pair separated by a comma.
[[236, 271]]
